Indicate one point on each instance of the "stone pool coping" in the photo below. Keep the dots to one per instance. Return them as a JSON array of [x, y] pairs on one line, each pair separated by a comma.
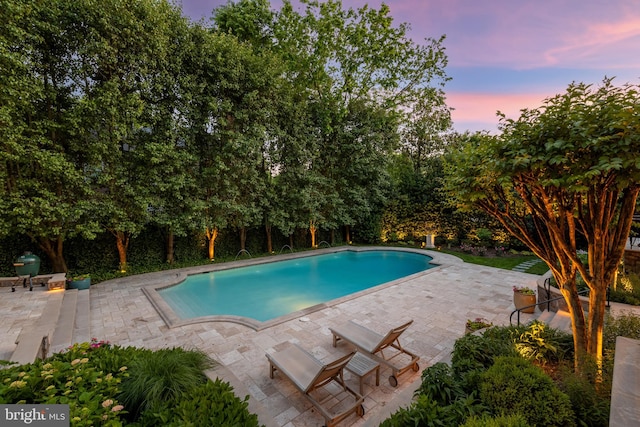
[[172, 320]]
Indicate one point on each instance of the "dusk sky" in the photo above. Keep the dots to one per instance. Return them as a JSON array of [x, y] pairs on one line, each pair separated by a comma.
[[512, 54]]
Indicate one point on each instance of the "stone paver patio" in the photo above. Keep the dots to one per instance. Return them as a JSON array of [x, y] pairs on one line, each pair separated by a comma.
[[439, 301]]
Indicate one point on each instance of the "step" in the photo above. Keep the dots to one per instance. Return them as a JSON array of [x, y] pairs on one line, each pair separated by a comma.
[[63, 332], [33, 342], [560, 320], [82, 325], [625, 390]]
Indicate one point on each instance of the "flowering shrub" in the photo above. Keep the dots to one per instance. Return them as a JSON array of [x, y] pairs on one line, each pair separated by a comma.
[[90, 392], [500, 251]]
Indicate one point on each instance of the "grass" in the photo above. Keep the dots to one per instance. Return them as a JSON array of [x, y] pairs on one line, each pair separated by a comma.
[[504, 262]]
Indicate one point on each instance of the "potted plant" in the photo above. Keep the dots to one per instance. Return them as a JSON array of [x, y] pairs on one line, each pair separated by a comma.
[[476, 324], [81, 281], [524, 297]]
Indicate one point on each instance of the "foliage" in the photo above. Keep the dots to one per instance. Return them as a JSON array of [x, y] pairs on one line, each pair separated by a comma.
[[626, 325], [210, 404], [94, 377], [626, 289], [440, 385], [546, 178], [542, 344], [487, 420], [426, 412], [524, 290], [590, 404], [71, 378], [514, 386], [477, 323], [161, 376]]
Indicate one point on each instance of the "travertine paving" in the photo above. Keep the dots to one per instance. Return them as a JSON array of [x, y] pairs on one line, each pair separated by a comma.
[[439, 301]]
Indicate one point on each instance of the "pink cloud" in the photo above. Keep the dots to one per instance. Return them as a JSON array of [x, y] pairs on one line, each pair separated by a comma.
[[477, 111]]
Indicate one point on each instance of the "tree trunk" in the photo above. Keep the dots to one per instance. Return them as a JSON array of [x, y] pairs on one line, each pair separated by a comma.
[[169, 248], [333, 237], [243, 238], [211, 234], [53, 250], [313, 229], [291, 241], [267, 229], [347, 234], [122, 243]]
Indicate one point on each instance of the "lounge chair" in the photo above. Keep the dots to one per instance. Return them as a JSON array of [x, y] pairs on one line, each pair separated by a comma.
[[309, 374], [373, 345]]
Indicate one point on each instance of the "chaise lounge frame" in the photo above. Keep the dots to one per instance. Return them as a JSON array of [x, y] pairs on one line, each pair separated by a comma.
[[374, 345], [309, 374]]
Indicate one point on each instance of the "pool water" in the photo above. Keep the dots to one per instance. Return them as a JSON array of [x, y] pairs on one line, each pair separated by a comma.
[[266, 291]]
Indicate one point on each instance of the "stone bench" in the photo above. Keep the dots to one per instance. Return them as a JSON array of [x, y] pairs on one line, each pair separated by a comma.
[[625, 390]]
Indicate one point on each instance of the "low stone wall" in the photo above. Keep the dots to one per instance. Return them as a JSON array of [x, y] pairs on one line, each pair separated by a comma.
[[556, 305]]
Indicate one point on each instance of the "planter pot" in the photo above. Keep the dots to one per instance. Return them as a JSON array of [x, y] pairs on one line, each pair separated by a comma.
[[80, 284], [522, 300]]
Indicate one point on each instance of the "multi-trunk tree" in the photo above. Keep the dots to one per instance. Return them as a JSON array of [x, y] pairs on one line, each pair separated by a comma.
[[564, 173]]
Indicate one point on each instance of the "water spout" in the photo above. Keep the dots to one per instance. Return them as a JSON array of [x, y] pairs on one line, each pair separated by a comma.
[[286, 246], [325, 242], [243, 251]]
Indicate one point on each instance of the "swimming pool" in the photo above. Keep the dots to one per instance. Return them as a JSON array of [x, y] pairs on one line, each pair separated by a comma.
[[263, 292]]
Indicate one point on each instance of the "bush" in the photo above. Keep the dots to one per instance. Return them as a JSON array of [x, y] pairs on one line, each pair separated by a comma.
[[439, 385], [72, 378], [161, 376], [627, 289], [542, 344], [515, 386], [626, 325], [89, 377], [211, 404], [426, 412], [590, 403], [499, 421]]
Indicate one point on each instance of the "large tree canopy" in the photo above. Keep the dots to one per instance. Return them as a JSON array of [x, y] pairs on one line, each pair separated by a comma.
[[560, 174], [120, 114]]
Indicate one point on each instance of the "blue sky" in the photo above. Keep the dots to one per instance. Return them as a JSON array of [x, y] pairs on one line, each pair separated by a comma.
[[512, 54]]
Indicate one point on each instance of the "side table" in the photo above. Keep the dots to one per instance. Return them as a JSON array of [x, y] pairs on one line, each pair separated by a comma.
[[361, 366]]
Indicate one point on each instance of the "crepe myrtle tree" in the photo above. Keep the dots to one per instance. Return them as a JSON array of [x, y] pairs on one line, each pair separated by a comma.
[[565, 172]]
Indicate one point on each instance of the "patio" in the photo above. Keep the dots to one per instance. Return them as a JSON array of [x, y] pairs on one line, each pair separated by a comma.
[[439, 300]]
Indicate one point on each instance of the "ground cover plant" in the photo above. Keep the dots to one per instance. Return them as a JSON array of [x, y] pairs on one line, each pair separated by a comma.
[[516, 377], [110, 385]]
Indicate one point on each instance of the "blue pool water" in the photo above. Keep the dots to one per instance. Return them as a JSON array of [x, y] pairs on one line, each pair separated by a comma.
[[266, 291]]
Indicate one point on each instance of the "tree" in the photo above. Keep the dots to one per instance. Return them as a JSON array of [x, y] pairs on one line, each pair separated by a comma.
[[357, 73], [45, 194], [566, 171]]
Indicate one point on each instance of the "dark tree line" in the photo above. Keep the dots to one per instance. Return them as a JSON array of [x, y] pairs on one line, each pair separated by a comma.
[[122, 113]]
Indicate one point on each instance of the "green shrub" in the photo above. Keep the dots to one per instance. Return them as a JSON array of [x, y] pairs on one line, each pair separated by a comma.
[[626, 325], [439, 385], [162, 376], [210, 404], [627, 289], [514, 386], [590, 403], [478, 352], [542, 344], [426, 412], [72, 379], [498, 421]]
